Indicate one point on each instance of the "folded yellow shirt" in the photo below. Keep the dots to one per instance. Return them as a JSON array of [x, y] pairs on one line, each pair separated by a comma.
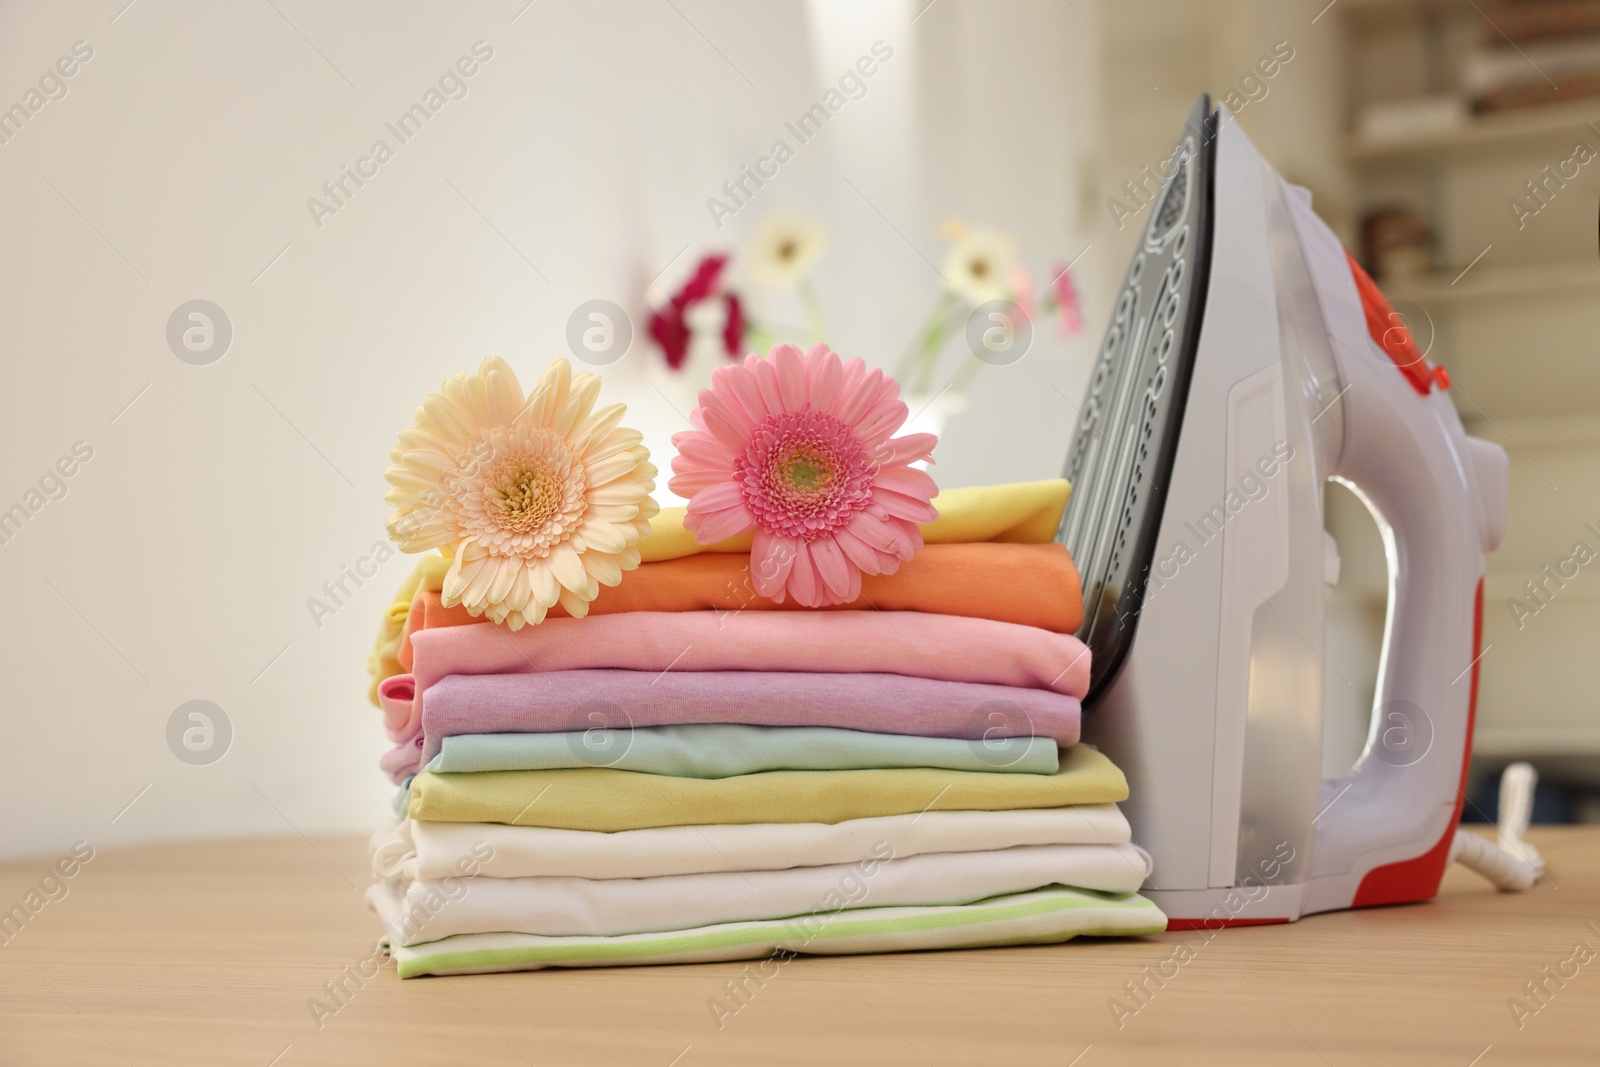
[[595, 798], [1026, 513]]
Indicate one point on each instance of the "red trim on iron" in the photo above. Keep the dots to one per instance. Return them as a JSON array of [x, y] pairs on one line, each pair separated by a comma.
[[1419, 878], [1388, 331], [1218, 924]]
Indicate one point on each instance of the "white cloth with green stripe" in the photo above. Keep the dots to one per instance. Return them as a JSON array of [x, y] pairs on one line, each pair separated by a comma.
[[1043, 916]]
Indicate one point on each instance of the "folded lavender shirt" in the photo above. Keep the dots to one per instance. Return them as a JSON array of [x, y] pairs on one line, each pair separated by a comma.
[[907, 643], [570, 701]]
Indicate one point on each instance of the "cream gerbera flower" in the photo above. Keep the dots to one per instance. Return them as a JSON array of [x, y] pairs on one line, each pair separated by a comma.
[[981, 264], [785, 248], [538, 500]]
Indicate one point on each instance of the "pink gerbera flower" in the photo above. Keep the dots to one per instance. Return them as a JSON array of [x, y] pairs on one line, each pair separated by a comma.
[[798, 448]]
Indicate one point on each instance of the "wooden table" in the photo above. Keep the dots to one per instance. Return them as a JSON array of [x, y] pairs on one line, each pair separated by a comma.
[[209, 954]]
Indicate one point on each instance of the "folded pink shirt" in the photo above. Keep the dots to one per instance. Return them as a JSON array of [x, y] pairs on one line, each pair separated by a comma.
[[909, 643], [620, 700]]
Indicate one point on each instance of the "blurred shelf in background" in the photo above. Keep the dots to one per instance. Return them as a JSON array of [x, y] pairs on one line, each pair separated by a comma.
[[1489, 282], [1553, 126], [1474, 134], [1381, 14]]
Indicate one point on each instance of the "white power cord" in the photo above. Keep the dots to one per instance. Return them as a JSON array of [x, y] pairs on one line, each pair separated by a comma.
[[1513, 864]]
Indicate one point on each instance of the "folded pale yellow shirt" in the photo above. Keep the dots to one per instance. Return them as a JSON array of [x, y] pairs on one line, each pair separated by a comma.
[[605, 800], [1026, 513]]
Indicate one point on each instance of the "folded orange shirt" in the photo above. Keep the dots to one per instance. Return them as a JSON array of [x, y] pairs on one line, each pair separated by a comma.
[[1034, 585]]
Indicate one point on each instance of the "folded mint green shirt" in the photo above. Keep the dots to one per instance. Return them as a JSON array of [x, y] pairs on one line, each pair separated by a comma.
[[725, 750]]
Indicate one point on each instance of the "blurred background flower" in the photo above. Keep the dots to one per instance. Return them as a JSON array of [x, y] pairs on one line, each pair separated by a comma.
[[672, 326], [708, 320], [785, 248], [1063, 300], [980, 265]]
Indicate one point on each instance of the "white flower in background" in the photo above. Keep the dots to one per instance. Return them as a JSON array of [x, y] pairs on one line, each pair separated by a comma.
[[785, 248], [981, 265]]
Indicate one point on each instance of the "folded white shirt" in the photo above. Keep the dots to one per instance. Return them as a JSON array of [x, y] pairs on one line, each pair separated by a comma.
[[425, 850], [564, 906]]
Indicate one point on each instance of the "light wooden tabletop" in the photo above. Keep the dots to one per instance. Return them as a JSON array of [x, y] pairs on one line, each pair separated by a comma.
[[209, 954]]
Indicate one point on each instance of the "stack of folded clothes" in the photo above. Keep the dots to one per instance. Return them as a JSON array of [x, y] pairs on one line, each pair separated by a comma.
[[693, 771]]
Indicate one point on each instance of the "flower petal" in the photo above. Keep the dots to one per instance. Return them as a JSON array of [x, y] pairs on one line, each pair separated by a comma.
[[909, 448], [550, 392], [771, 558], [722, 495], [789, 364], [603, 537], [827, 378], [687, 485], [597, 426], [833, 568], [575, 604], [520, 595], [452, 584], [720, 425], [741, 382], [702, 449], [503, 393], [611, 512], [542, 579], [609, 470], [618, 440], [803, 578], [904, 507], [603, 568], [504, 578], [859, 399], [863, 555], [408, 478], [876, 533], [908, 481], [477, 591], [881, 421], [619, 492], [712, 526], [443, 411], [766, 377], [567, 567]]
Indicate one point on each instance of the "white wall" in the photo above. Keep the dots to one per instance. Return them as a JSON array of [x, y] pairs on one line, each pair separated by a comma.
[[178, 166]]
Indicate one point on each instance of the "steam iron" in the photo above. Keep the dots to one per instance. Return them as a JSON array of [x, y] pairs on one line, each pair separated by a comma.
[[1248, 360]]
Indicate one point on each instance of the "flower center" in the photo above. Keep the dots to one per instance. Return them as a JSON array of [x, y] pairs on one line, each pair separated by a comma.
[[786, 250], [525, 497], [804, 474], [807, 471], [979, 268]]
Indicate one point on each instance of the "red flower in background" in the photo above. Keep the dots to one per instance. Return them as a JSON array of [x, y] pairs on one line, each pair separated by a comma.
[[703, 282], [733, 329], [669, 325], [669, 330]]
